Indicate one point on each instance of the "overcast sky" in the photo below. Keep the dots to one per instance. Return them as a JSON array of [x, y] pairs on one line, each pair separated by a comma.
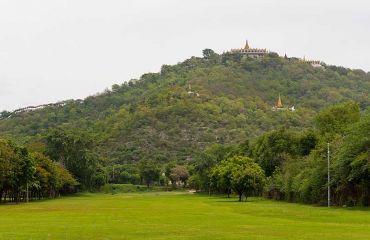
[[55, 50]]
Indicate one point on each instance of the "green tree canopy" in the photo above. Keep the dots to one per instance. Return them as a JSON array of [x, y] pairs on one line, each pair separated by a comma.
[[149, 172], [242, 173]]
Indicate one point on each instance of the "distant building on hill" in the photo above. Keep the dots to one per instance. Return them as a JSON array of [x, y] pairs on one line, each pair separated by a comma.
[[313, 63], [247, 51], [280, 107]]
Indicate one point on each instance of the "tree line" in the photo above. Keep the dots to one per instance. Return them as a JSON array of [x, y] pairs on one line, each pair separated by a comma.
[[65, 162], [291, 165], [26, 175], [61, 163]]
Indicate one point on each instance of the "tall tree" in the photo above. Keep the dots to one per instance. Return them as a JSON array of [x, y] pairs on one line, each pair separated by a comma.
[[335, 119], [274, 148]]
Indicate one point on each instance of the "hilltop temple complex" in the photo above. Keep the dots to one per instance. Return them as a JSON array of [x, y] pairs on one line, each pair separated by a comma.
[[247, 51]]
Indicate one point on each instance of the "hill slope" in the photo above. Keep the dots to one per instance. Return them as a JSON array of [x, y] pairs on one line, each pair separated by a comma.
[[161, 117]]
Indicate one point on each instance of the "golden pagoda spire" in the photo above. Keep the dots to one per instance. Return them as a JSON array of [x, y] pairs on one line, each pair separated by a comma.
[[246, 45], [279, 103]]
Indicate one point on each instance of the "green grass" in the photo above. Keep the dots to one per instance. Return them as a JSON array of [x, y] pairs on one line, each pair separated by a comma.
[[129, 188], [177, 216]]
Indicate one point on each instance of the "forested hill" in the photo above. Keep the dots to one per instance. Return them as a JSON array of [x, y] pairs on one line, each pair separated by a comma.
[[172, 115]]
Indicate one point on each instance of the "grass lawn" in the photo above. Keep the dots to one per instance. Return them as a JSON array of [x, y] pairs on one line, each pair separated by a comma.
[[177, 216]]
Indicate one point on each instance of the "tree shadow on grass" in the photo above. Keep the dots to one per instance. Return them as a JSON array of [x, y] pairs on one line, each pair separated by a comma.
[[74, 195], [359, 209], [236, 200]]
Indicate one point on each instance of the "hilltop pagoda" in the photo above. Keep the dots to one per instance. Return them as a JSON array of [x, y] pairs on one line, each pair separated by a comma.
[[247, 51]]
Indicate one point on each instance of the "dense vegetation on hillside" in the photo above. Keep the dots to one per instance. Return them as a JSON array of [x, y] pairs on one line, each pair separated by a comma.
[[206, 116], [295, 162], [155, 118]]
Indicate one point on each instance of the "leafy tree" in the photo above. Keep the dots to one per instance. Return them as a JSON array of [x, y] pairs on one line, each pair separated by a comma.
[[74, 151], [167, 171], [244, 175], [27, 169], [8, 166], [274, 148], [210, 157], [307, 142], [194, 182], [51, 178], [207, 53], [149, 172], [179, 173], [352, 165], [335, 119], [5, 114], [221, 179]]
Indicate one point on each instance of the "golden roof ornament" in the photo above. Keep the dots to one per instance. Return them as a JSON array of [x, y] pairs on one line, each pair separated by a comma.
[[246, 45], [279, 104]]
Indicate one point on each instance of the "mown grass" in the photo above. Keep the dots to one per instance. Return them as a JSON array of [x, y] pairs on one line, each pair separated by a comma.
[[177, 216], [128, 188]]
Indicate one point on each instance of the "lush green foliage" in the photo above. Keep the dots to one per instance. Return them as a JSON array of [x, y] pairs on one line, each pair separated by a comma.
[[295, 162], [352, 165], [149, 172], [240, 174], [179, 174], [274, 148], [304, 178], [23, 173], [158, 117], [178, 216], [74, 151]]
